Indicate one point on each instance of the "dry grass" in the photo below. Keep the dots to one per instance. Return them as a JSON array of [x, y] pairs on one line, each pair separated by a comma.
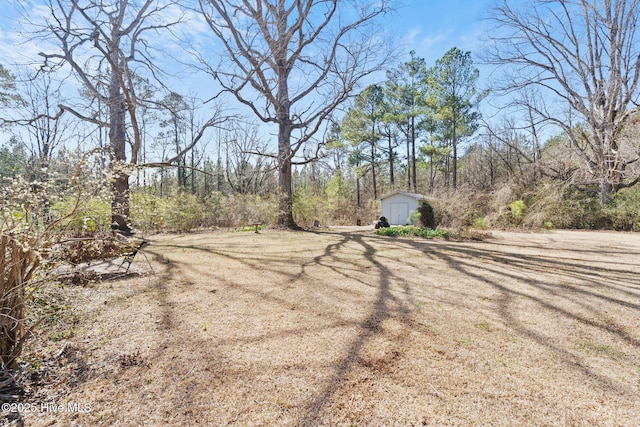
[[342, 327]]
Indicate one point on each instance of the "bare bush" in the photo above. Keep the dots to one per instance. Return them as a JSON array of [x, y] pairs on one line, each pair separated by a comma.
[[28, 233], [459, 209], [25, 241]]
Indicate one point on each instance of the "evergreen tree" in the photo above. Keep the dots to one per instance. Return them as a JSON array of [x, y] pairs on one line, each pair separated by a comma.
[[454, 97]]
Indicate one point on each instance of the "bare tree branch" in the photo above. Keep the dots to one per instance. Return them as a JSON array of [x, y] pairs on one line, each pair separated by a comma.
[[583, 57], [300, 60]]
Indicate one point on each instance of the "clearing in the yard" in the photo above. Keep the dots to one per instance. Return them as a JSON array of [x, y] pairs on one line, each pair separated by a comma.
[[343, 327]]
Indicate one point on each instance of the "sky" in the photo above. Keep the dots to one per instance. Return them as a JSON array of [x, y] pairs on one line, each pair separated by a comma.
[[430, 28]]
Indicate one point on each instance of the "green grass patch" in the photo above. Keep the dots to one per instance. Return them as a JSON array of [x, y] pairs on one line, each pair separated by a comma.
[[413, 231], [253, 228], [60, 335], [480, 223], [598, 349], [485, 326], [464, 341]]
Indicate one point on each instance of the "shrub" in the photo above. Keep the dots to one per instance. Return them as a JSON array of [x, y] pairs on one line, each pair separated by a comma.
[[308, 206], [414, 217], [564, 206], [480, 223], [413, 231], [623, 212], [180, 212], [185, 213], [518, 208], [215, 209], [458, 210], [25, 243], [427, 215], [92, 215], [340, 200], [91, 246], [248, 209], [146, 211]]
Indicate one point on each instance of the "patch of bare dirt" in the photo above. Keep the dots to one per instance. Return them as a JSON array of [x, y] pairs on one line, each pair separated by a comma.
[[342, 327]]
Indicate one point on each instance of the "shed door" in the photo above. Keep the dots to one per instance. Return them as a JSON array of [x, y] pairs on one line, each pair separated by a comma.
[[399, 213]]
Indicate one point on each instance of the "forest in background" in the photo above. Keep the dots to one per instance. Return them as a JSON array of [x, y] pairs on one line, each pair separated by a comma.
[[395, 136], [562, 152]]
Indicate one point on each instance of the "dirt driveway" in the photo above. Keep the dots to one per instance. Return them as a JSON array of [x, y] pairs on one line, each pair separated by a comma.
[[342, 327]]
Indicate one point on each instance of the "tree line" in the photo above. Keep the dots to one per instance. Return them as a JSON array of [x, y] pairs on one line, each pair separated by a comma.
[[568, 101]]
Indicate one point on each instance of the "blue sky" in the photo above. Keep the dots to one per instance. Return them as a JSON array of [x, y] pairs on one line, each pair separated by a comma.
[[433, 27], [430, 28]]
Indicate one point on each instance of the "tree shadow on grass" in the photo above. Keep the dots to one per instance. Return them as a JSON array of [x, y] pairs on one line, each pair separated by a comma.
[[549, 280], [586, 288], [368, 328], [331, 259]]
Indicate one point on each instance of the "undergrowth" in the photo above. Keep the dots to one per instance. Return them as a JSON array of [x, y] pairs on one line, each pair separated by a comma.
[[413, 231]]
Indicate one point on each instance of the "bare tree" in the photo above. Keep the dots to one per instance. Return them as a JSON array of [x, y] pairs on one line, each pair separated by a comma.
[[246, 170], [185, 129], [176, 108], [292, 63], [94, 36], [41, 99], [580, 59]]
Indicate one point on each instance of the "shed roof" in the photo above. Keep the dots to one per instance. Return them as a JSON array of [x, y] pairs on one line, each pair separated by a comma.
[[416, 196]]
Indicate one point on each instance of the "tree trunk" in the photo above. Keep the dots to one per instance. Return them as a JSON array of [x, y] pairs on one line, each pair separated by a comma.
[[358, 202], [285, 200], [193, 172], [283, 103], [431, 177], [454, 145], [606, 190], [447, 171], [117, 140], [408, 163], [373, 160], [492, 168], [414, 179], [391, 175], [373, 172]]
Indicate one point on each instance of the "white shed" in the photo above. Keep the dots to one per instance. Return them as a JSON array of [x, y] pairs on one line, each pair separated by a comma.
[[397, 206]]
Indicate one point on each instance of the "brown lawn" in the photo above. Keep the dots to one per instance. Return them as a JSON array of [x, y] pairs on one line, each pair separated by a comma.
[[342, 327]]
